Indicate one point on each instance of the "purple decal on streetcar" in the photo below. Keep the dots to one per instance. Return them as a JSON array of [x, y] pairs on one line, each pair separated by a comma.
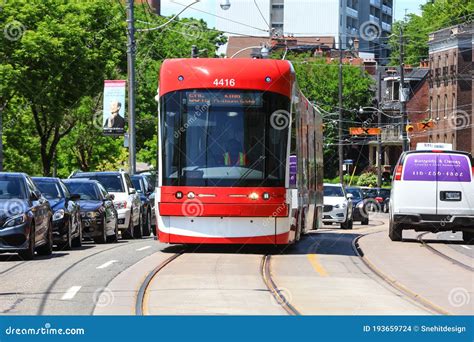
[[443, 167], [293, 169]]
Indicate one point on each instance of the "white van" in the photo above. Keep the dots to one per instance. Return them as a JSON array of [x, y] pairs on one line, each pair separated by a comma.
[[433, 191]]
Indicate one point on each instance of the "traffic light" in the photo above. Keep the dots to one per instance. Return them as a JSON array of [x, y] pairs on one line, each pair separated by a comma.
[[410, 128]]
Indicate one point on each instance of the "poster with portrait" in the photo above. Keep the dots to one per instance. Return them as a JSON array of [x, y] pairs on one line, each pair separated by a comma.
[[113, 121]]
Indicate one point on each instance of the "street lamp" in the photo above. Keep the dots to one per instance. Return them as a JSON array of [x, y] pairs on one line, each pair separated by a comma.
[[225, 4]]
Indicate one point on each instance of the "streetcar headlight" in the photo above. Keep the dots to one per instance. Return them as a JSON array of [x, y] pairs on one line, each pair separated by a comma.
[[92, 214], [266, 196], [178, 195], [253, 196]]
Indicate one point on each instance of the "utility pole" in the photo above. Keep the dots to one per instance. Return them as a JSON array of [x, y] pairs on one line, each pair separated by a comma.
[[379, 136], [340, 147], [131, 86], [402, 94]]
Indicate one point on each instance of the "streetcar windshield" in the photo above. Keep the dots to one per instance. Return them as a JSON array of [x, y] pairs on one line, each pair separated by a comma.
[[224, 138]]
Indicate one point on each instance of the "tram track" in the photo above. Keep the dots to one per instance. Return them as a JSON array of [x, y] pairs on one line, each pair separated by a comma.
[[437, 252], [277, 294], [141, 300], [406, 292]]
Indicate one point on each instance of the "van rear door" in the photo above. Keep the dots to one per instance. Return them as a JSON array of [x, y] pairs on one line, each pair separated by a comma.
[[455, 194], [416, 190]]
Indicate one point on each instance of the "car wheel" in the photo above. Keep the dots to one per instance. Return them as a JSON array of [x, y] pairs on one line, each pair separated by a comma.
[[147, 227], [468, 237], [77, 241], [29, 254], [128, 233], [66, 245], [395, 232], [113, 238], [138, 230], [103, 237], [347, 225], [47, 248], [365, 221]]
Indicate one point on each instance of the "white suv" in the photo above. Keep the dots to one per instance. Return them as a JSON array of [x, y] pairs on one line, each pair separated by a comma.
[[337, 206], [433, 191], [126, 200]]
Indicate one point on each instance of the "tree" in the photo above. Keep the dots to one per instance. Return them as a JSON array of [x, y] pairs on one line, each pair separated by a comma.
[[319, 81], [64, 53], [435, 16]]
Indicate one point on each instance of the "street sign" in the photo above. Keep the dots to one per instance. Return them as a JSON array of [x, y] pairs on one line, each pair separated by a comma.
[[364, 131], [348, 162]]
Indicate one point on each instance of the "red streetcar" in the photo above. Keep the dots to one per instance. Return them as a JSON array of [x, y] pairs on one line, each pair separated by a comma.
[[240, 153]]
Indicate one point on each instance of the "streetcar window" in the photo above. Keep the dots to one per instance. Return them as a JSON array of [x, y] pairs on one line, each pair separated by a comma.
[[224, 138]]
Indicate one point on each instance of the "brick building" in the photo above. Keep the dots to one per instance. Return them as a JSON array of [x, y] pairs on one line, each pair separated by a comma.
[[450, 86]]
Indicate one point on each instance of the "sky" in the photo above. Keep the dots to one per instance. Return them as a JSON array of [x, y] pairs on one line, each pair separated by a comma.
[[169, 7]]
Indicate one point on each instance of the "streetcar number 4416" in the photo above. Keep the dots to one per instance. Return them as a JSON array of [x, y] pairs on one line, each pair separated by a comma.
[[227, 82]]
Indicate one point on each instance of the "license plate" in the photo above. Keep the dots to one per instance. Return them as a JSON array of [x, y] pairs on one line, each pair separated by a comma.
[[451, 195]]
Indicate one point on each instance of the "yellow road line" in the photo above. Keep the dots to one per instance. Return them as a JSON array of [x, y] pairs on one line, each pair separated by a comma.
[[313, 259]]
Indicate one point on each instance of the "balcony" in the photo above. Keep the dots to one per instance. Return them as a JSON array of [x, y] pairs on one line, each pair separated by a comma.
[[375, 3], [352, 12], [391, 134], [374, 19], [386, 10], [386, 27]]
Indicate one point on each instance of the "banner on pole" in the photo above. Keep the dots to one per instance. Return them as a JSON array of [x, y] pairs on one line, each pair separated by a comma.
[[114, 107]]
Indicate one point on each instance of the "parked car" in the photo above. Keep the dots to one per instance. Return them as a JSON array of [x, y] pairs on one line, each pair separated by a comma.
[[383, 198], [432, 190], [359, 208], [126, 200], [25, 217], [98, 215], [147, 196], [337, 206], [67, 227]]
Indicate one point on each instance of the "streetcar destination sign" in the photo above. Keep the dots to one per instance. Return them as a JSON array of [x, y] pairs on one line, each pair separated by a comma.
[[225, 98]]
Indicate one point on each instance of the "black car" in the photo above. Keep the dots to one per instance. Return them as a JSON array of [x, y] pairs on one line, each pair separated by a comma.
[[359, 205], [383, 197], [25, 217], [67, 227], [146, 191], [98, 214]]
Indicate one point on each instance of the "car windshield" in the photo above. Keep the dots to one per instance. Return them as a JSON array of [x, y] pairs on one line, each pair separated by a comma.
[[50, 190], [88, 191], [223, 138], [111, 183], [12, 188], [137, 184], [333, 191], [356, 193], [384, 192]]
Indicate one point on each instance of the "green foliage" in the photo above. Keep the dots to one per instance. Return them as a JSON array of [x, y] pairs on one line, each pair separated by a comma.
[[319, 81], [367, 179], [435, 15], [53, 69]]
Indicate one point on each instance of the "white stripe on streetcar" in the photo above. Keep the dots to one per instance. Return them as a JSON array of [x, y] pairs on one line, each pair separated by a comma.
[[466, 247], [107, 264], [143, 248], [71, 293]]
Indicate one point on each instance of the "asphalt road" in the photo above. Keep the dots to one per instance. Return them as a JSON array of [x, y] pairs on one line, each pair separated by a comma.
[[323, 274]]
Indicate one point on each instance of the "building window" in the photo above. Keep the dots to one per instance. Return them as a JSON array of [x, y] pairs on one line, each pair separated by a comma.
[[453, 106], [437, 107], [445, 106], [431, 108]]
